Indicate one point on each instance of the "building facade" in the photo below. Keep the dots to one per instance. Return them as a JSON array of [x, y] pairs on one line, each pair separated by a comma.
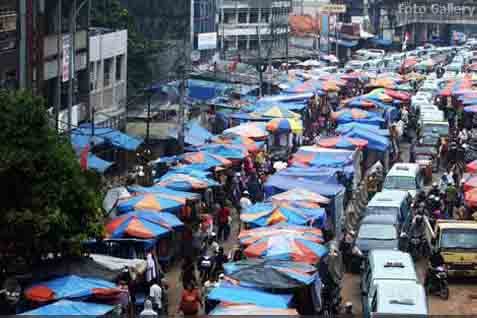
[[8, 44], [108, 73], [243, 23], [425, 20]]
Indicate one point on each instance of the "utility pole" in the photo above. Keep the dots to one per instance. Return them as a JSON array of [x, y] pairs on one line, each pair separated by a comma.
[[59, 62], [260, 67], [73, 16]]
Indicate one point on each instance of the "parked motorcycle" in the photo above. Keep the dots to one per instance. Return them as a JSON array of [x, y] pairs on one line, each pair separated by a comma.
[[437, 282], [331, 295]]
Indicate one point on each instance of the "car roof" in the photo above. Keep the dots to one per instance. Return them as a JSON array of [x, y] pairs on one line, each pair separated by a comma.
[[388, 198], [404, 169], [379, 219], [401, 297], [392, 265], [457, 224]]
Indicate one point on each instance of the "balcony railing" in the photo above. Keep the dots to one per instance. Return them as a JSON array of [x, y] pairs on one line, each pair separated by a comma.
[[8, 20]]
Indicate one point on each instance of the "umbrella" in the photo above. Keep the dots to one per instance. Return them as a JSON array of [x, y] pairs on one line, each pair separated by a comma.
[[359, 102], [252, 130], [470, 183], [383, 82], [150, 201], [205, 160], [271, 274], [470, 198], [231, 139], [298, 195], [285, 125], [342, 142], [355, 76], [379, 94], [142, 224], [266, 214], [248, 237], [250, 310], [184, 182], [69, 287], [279, 112], [232, 152], [471, 167], [353, 113], [65, 308], [287, 248]]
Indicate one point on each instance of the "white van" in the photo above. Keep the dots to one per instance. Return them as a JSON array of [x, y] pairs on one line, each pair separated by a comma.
[[405, 177]]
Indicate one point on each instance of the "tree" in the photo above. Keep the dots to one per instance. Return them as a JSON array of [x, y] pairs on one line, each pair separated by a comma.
[[111, 14], [49, 205]]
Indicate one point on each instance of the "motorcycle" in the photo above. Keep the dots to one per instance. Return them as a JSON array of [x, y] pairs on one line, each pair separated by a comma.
[[206, 264], [415, 247], [437, 283], [331, 295]]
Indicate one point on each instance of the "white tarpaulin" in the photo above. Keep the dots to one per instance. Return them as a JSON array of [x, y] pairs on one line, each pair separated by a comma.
[[115, 263]]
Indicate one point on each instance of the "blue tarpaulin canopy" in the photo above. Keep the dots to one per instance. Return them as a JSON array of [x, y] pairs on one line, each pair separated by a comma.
[[344, 128], [73, 308], [382, 42], [98, 164], [375, 142], [159, 189], [82, 136], [323, 174], [277, 184], [227, 292], [196, 135]]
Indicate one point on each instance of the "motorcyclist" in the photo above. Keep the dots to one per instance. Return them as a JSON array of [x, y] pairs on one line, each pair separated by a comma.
[[434, 190], [420, 198], [435, 261], [418, 228]]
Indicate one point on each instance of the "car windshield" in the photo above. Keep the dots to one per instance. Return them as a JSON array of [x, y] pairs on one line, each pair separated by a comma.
[[377, 232], [382, 210], [459, 238], [400, 182], [441, 130]]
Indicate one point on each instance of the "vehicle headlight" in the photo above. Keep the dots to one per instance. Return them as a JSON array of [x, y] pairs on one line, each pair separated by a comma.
[[356, 251]]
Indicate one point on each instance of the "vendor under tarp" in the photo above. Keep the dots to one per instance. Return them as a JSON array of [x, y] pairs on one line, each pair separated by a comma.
[[70, 308]]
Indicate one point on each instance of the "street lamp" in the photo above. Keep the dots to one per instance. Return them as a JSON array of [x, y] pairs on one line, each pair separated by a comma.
[[74, 12]]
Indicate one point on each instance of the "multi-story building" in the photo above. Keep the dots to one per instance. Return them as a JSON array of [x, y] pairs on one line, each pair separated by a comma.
[[8, 44], [243, 23], [424, 20], [108, 74]]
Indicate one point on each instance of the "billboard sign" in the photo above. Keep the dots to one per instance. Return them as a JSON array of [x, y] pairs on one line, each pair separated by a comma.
[[333, 8], [207, 41], [66, 58]]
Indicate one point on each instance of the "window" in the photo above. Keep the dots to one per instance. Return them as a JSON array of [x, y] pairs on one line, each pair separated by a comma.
[[253, 17], [242, 43], [92, 79], [253, 45], [229, 17], [119, 68], [264, 17], [242, 17], [107, 73]]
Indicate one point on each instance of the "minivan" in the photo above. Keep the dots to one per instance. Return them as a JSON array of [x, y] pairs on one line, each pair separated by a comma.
[[385, 267], [391, 202], [404, 177]]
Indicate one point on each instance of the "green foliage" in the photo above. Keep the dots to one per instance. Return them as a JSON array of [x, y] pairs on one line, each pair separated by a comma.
[[48, 204], [111, 14]]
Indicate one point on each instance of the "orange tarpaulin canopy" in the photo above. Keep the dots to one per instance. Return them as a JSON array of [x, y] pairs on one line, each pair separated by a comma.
[[301, 25]]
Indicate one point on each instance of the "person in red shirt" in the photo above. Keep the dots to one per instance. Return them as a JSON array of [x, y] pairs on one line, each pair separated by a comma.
[[248, 165], [224, 223]]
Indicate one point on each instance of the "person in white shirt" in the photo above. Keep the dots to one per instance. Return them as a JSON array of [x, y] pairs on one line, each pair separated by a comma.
[[148, 311], [244, 204], [155, 292]]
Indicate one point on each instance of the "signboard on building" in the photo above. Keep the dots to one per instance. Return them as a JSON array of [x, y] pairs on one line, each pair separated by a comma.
[[333, 8], [207, 41], [66, 58]]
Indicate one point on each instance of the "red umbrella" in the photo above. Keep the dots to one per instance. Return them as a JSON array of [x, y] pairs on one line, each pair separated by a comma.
[[471, 167], [471, 198], [470, 183]]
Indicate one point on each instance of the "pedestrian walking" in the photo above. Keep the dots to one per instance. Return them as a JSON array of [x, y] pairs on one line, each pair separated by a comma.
[[148, 311], [191, 301], [223, 218], [155, 293]]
